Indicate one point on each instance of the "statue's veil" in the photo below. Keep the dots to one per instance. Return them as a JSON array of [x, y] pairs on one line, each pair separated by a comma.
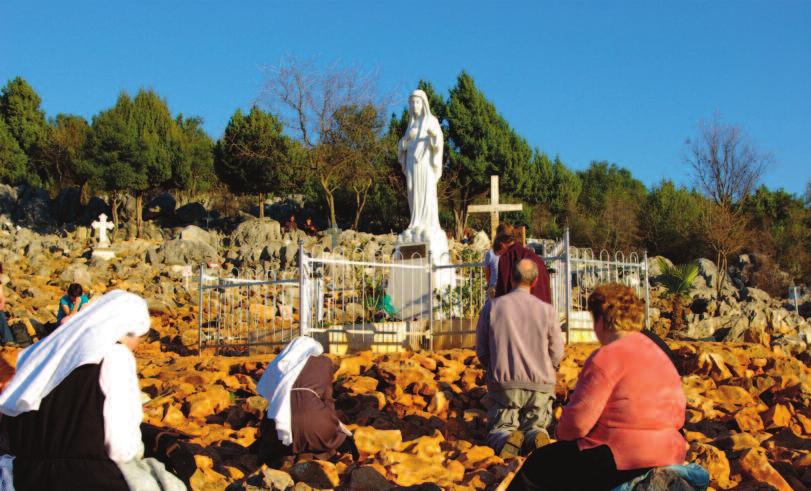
[[427, 114]]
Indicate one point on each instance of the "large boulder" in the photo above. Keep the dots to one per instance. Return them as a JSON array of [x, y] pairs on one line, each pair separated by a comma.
[[252, 238], [161, 206], [181, 252], [756, 295], [77, 273], [67, 207], [8, 199], [706, 328], [195, 233], [256, 233], [33, 208], [653, 267], [708, 276], [191, 213]]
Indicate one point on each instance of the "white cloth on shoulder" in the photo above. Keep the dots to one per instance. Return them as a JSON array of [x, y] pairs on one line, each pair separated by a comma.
[[85, 338], [278, 380], [6, 473], [123, 410], [149, 475]]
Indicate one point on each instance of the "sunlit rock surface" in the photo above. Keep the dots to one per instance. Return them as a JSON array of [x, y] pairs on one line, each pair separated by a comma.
[[419, 418]]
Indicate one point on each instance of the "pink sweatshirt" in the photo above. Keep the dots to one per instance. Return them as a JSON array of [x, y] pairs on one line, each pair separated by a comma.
[[629, 397]]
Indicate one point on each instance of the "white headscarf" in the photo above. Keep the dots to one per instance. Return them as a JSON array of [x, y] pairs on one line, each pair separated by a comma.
[[83, 339], [279, 378]]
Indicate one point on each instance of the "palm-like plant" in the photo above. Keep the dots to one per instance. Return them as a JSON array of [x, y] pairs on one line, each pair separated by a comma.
[[678, 281]]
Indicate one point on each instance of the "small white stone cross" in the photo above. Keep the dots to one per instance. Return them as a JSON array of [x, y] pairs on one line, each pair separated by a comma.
[[494, 208], [101, 227]]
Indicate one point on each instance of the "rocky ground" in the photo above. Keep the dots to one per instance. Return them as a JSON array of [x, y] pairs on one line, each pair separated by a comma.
[[418, 417]]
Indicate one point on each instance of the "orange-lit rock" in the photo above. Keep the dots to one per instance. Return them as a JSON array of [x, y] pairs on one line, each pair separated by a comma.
[[371, 441], [214, 399], [712, 459], [777, 416], [756, 464], [748, 419]]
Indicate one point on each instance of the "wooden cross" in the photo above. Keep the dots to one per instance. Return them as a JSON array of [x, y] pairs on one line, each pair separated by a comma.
[[494, 208]]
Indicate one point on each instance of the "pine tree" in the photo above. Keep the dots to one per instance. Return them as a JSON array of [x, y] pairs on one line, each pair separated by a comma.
[[13, 161], [482, 144], [25, 120], [254, 157]]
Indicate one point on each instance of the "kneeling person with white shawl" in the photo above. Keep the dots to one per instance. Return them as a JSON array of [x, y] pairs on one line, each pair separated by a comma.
[[72, 412], [301, 415]]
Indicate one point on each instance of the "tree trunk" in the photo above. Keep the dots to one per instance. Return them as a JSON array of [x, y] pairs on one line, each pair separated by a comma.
[[360, 203], [459, 228], [84, 193], [139, 214], [114, 208], [331, 205], [261, 206], [722, 272], [718, 266], [677, 320]]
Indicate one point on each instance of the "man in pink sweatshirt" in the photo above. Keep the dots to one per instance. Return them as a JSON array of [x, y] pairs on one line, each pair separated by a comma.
[[520, 344]]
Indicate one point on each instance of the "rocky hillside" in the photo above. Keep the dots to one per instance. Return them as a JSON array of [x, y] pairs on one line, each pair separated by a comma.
[[739, 313], [418, 416]]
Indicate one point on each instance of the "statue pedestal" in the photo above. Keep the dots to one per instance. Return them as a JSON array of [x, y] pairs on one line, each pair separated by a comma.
[[102, 253], [409, 286]]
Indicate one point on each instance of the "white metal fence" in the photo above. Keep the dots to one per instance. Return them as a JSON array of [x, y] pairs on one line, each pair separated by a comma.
[[357, 299], [576, 272]]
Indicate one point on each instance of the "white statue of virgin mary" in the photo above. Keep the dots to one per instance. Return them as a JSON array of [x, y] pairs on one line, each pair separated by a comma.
[[420, 154]]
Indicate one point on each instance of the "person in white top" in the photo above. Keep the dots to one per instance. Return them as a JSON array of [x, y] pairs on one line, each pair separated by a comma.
[[72, 412], [491, 263]]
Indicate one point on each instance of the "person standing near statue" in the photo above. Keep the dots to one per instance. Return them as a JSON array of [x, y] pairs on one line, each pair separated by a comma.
[[491, 259], [520, 344], [513, 253]]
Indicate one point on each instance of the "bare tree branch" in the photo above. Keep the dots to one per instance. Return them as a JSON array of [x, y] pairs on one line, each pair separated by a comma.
[[727, 166]]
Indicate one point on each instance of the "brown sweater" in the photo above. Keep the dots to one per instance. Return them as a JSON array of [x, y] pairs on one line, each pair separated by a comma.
[[519, 342]]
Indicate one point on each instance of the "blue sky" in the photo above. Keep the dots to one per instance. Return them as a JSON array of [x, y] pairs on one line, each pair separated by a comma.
[[625, 82]]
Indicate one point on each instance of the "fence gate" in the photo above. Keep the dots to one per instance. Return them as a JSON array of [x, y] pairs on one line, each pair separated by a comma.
[[246, 308]]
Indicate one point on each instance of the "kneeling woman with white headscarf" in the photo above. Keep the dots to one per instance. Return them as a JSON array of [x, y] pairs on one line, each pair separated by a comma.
[[72, 412], [301, 415]]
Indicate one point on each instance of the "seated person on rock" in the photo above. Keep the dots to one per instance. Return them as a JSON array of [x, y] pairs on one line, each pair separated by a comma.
[[290, 225], [625, 414], [6, 337], [72, 411], [301, 415], [71, 303], [309, 227]]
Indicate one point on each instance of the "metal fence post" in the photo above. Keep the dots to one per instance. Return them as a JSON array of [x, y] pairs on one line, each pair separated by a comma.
[[647, 289], [430, 270], [568, 283], [301, 272], [200, 310]]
